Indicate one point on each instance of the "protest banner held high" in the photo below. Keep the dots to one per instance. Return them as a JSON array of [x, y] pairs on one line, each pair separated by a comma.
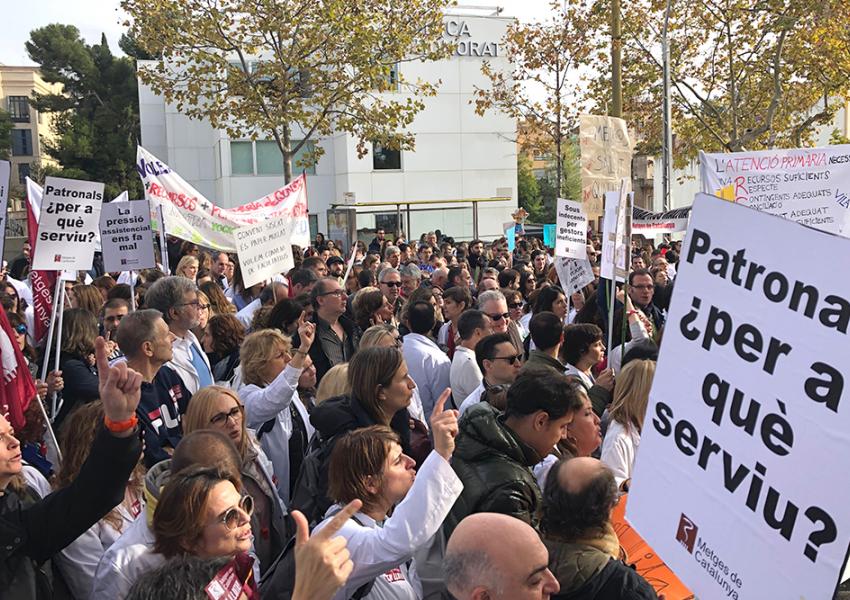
[[606, 158], [735, 486], [126, 235]]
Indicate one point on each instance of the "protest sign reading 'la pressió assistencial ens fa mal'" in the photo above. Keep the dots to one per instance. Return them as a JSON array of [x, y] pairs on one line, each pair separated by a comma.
[[264, 250], [126, 235], [68, 225], [738, 483]]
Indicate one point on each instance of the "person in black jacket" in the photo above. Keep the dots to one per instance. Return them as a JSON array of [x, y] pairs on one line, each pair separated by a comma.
[[584, 552], [29, 536], [76, 361], [337, 336]]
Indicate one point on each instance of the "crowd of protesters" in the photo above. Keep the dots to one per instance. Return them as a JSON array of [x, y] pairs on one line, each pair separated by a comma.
[[443, 418]]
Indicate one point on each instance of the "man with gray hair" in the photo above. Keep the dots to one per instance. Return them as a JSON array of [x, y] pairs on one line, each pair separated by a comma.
[[512, 565], [411, 275], [145, 340], [389, 281], [177, 299], [493, 304], [393, 256]]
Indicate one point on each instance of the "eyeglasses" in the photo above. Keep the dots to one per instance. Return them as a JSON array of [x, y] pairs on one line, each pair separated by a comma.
[[391, 283], [511, 359], [514, 305], [204, 306], [337, 293], [21, 329], [221, 418], [195, 303], [499, 317], [231, 516]]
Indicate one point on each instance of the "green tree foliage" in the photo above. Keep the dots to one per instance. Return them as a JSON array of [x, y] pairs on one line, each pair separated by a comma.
[[292, 71], [5, 134], [528, 192], [96, 119]]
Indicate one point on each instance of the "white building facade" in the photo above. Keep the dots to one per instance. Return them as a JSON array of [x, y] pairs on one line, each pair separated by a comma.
[[459, 155]]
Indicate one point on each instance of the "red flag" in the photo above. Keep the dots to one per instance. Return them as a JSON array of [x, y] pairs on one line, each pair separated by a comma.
[[17, 389], [43, 282]]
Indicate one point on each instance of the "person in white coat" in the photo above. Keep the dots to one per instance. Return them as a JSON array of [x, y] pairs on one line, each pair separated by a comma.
[[429, 366], [472, 326], [382, 547], [270, 373], [627, 413]]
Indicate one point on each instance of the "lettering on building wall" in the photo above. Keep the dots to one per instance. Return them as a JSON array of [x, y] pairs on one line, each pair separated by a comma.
[[458, 29]]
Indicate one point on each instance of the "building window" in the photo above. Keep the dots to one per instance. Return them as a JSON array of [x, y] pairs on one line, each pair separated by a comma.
[[23, 173], [242, 158], [385, 159], [21, 142], [19, 109], [269, 160]]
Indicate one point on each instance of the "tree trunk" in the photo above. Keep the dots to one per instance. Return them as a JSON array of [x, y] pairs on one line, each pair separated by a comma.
[[559, 168], [616, 109], [286, 152]]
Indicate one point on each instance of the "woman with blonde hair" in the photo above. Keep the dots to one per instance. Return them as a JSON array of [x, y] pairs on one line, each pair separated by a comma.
[[78, 561], [333, 384], [271, 370], [187, 267], [627, 412], [217, 407]]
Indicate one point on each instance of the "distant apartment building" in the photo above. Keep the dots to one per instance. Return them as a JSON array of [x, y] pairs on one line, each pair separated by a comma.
[[31, 128]]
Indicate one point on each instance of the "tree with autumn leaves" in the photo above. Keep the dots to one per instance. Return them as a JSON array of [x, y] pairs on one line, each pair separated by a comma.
[[292, 71], [745, 75]]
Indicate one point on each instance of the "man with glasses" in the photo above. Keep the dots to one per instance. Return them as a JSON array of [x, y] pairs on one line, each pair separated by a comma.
[[500, 363], [389, 280], [494, 304], [641, 291], [337, 337], [177, 299], [145, 339]]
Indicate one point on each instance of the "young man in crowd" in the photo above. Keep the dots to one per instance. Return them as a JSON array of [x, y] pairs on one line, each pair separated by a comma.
[[466, 376], [499, 362], [547, 333], [429, 366]]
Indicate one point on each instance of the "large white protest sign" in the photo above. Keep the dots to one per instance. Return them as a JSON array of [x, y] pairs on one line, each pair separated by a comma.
[[615, 237], [735, 485], [807, 185], [264, 250], [126, 235], [68, 225], [5, 174], [574, 273], [190, 216], [606, 159], [570, 230]]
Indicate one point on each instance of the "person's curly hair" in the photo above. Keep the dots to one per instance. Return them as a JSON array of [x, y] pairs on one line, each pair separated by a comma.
[[574, 514], [226, 332]]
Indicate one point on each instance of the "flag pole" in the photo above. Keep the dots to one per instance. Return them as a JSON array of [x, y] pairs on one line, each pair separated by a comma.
[[132, 291], [56, 406]]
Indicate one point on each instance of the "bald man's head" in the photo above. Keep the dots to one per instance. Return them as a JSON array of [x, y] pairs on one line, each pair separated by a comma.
[[578, 498], [511, 565]]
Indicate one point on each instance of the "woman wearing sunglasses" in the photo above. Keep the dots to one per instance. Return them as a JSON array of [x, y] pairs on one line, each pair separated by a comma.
[[219, 408], [203, 513]]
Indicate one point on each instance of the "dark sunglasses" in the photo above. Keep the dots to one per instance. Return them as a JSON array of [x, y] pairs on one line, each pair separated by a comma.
[[22, 329], [391, 283], [511, 359], [514, 305], [499, 317], [230, 517], [222, 417]]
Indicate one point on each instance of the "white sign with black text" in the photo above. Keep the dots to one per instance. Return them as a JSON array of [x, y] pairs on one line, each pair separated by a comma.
[[571, 230], [126, 235], [265, 249]]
